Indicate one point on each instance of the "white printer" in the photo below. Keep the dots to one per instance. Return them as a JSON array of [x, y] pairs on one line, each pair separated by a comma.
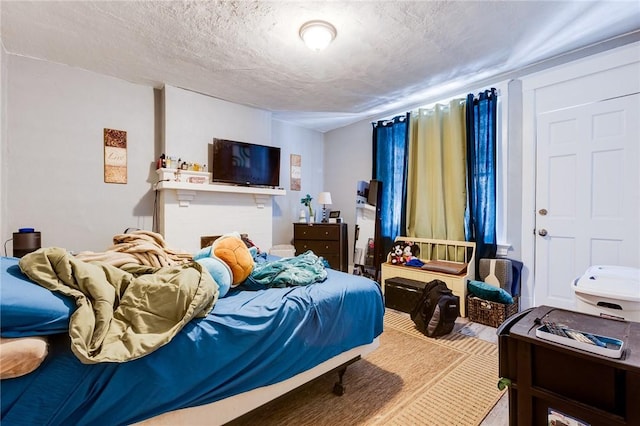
[[609, 291]]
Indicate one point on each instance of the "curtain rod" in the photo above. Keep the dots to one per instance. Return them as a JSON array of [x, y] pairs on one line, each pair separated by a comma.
[[389, 121]]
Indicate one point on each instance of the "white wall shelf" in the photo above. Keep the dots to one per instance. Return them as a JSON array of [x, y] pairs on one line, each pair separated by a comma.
[[213, 187], [186, 191], [368, 207]]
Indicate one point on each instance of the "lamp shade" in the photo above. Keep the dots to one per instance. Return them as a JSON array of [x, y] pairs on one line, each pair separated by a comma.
[[324, 198]]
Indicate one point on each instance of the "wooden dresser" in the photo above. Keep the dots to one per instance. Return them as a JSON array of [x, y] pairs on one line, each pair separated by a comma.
[[328, 240], [550, 379]]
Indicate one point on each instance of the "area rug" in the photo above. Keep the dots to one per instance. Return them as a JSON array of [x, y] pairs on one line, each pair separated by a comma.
[[409, 380]]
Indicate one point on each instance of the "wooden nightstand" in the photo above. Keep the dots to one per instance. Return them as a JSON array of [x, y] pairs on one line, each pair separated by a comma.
[[328, 240]]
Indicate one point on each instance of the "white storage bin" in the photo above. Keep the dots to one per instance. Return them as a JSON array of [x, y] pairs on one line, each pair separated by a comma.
[[609, 291], [283, 250]]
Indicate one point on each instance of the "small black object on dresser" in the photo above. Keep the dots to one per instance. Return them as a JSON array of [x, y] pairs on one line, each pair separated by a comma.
[[402, 294]]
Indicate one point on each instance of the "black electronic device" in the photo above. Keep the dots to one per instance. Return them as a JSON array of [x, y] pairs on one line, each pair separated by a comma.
[[25, 241], [242, 163], [372, 195]]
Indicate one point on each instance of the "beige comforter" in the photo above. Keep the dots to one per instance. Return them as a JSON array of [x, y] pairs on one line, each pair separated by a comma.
[[122, 313], [140, 247]]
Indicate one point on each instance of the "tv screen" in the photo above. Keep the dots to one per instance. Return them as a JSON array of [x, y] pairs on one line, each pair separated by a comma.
[[243, 163]]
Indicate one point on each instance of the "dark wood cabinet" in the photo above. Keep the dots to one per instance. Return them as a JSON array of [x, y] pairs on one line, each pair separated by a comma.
[[553, 380], [328, 240]]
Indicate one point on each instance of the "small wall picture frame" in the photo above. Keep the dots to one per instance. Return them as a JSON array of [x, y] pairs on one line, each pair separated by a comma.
[[334, 217], [296, 172], [115, 156]]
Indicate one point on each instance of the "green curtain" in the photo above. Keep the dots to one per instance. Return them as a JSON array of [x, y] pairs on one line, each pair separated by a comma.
[[436, 172]]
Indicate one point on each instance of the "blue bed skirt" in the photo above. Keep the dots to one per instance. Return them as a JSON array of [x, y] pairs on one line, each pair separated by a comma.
[[250, 339]]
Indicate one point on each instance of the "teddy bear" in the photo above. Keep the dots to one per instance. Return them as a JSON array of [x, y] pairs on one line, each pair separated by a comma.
[[396, 255], [228, 260]]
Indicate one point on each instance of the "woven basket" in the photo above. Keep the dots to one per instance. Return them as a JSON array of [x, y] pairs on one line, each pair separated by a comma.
[[490, 313]]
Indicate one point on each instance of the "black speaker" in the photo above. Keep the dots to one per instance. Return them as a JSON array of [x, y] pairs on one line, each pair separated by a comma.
[[372, 196], [25, 241]]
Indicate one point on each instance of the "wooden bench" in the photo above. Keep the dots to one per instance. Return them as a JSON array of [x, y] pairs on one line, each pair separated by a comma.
[[455, 253]]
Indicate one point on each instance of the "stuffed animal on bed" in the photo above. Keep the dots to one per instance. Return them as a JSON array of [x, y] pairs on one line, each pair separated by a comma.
[[228, 260]]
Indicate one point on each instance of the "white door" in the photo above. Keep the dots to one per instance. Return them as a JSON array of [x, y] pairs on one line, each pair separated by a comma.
[[587, 194]]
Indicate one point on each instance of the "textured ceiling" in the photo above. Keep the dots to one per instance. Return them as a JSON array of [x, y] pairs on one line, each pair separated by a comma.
[[388, 55]]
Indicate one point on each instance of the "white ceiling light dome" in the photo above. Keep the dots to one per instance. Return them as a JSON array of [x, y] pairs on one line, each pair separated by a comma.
[[317, 35]]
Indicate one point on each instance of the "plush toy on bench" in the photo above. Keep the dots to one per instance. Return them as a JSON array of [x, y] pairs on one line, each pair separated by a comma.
[[403, 253]]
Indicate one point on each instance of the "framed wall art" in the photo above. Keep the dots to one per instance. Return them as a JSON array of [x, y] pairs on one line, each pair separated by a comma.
[[296, 172], [115, 156]]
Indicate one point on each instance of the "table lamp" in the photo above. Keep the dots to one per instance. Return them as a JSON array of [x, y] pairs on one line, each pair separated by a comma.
[[324, 198]]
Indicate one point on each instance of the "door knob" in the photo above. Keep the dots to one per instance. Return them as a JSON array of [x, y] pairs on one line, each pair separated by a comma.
[[542, 232], [543, 212]]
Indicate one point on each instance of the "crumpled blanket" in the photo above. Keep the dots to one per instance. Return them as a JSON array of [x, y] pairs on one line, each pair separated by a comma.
[[304, 269], [122, 313], [140, 247]]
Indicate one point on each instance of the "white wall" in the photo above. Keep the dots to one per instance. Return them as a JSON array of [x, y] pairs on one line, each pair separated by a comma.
[[54, 181], [51, 149], [513, 174], [309, 145], [3, 84], [348, 156], [192, 121]]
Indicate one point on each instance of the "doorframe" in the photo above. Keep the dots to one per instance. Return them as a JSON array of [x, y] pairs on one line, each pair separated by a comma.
[[602, 62]]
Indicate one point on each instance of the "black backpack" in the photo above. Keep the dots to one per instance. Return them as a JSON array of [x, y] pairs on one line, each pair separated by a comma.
[[436, 311]]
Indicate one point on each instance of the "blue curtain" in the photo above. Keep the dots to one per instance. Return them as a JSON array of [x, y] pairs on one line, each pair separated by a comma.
[[390, 141], [480, 217]]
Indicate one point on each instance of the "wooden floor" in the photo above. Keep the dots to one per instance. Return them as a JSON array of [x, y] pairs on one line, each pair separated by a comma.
[[499, 416]]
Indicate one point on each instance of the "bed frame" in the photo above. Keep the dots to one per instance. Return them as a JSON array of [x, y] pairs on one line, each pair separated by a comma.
[[225, 410]]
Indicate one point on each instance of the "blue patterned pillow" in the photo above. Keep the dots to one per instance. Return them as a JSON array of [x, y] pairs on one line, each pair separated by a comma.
[[489, 292]]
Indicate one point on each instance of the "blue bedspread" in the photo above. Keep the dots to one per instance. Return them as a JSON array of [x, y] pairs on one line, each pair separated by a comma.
[[250, 339]]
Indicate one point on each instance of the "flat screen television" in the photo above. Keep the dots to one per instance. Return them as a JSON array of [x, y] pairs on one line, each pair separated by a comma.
[[242, 163]]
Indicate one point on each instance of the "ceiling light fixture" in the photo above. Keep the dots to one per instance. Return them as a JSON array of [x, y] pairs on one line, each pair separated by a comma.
[[317, 35]]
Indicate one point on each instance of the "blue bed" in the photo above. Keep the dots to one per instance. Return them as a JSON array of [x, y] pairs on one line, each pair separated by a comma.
[[249, 340]]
